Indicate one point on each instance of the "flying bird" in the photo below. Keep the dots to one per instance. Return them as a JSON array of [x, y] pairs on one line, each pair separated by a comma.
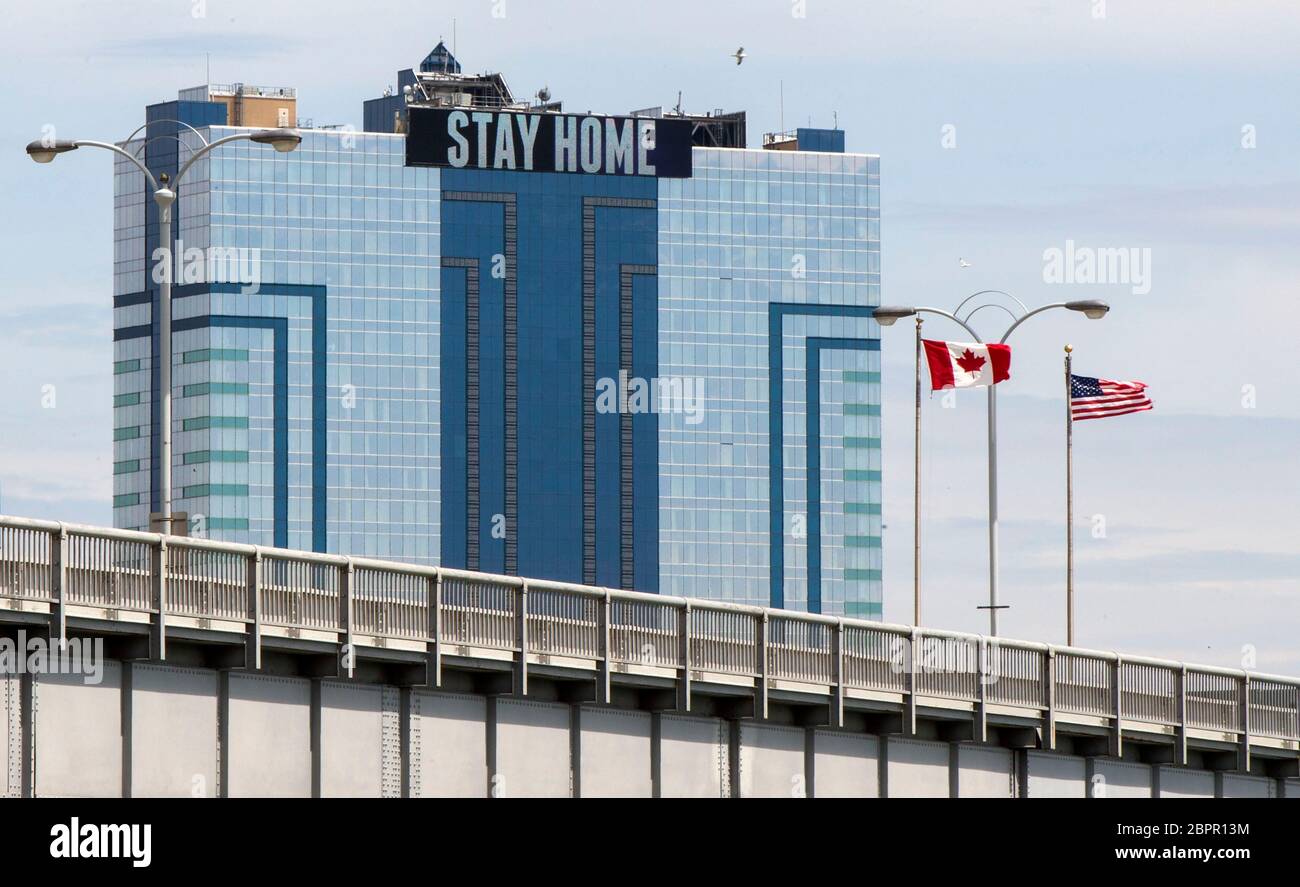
[[739, 55], [962, 262]]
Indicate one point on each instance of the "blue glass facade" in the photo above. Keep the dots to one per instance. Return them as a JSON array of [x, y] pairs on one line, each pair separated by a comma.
[[671, 385], [769, 266], [533, 268]]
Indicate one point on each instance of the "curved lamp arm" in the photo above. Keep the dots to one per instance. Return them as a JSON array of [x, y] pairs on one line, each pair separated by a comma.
[[1011, 329], [1014, 317], [1023, 306], [202, 152], [80, 143], [202, 138], [954, 318]]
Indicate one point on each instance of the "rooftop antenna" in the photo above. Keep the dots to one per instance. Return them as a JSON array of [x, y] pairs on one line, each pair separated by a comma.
[[678, 109], [782, 106], [207, 72], [837, 119], [453, 43]]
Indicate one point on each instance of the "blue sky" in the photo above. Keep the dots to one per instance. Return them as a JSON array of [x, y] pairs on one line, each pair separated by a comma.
[[1123, 130]]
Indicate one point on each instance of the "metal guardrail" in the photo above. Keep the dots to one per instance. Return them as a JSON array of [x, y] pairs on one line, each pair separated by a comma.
[[278, 92], [63, 566], [773, 138]]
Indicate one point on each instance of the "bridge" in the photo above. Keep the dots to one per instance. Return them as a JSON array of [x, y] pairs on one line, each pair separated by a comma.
[[228, 670]]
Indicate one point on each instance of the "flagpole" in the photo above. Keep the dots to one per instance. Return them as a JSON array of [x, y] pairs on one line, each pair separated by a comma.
[[1069, 505], [916, 508]]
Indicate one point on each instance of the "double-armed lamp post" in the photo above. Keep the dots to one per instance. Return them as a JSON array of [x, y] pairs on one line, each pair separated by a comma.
[[888, 314], [164, 194]]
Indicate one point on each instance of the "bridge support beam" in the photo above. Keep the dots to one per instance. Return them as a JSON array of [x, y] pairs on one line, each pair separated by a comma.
[[762, 627], [347, 648], [837, 676], [317, 757], [909, 701], [1049, 694], [882, 764], [127, 714], [158, 597], [521, 640], [656, 754], [59, 577], [733, 758], [223, 734], [405, 712], [1180, 707], [575, 748], [490, 737], [1243, 747], [434, 648], [602, 666], [684, 647], [1090, 778], [954, 769], [253, 637], [1116, 737], [980, 714], [27, 726], [810, 762]]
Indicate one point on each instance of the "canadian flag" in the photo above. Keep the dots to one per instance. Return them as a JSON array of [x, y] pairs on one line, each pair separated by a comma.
[[966, 364]]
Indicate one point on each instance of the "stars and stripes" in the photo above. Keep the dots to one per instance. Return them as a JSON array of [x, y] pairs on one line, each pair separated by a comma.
[[1098, 398]]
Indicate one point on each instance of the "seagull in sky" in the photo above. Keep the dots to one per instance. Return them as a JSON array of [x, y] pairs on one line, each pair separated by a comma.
[[739, 55], [962, 262]]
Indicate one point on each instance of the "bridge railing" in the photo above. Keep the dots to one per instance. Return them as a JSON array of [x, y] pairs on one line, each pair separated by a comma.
[[52, 566]]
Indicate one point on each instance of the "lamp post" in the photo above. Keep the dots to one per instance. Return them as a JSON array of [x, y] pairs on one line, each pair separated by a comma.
[[886, 315], [44, 151]]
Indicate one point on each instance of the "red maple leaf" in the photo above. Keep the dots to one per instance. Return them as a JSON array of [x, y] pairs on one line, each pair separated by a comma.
[[969, 362]]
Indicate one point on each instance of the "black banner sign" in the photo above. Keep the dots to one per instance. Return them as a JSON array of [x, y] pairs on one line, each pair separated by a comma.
[[468, 138]]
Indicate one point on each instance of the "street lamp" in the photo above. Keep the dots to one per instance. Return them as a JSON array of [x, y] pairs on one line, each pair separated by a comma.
[[282, 140], [44, 151], [1093, 309], [887, 315]]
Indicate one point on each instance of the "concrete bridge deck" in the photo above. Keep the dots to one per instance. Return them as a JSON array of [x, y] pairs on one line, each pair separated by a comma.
[[234, 670]]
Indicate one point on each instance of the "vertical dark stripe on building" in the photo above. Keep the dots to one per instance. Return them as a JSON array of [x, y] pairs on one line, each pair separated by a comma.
[[280, 387], [510, 335], [279, 329], [510, 346], [627, 525], [471, 407], [813, 444], [813, 459], [589, 206], [588, 392], [777, 312]]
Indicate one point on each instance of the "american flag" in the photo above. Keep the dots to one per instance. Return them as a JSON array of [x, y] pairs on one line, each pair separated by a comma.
[[1098, 398]]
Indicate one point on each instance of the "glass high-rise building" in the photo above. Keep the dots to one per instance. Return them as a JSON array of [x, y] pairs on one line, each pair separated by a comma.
[[574, 364]]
